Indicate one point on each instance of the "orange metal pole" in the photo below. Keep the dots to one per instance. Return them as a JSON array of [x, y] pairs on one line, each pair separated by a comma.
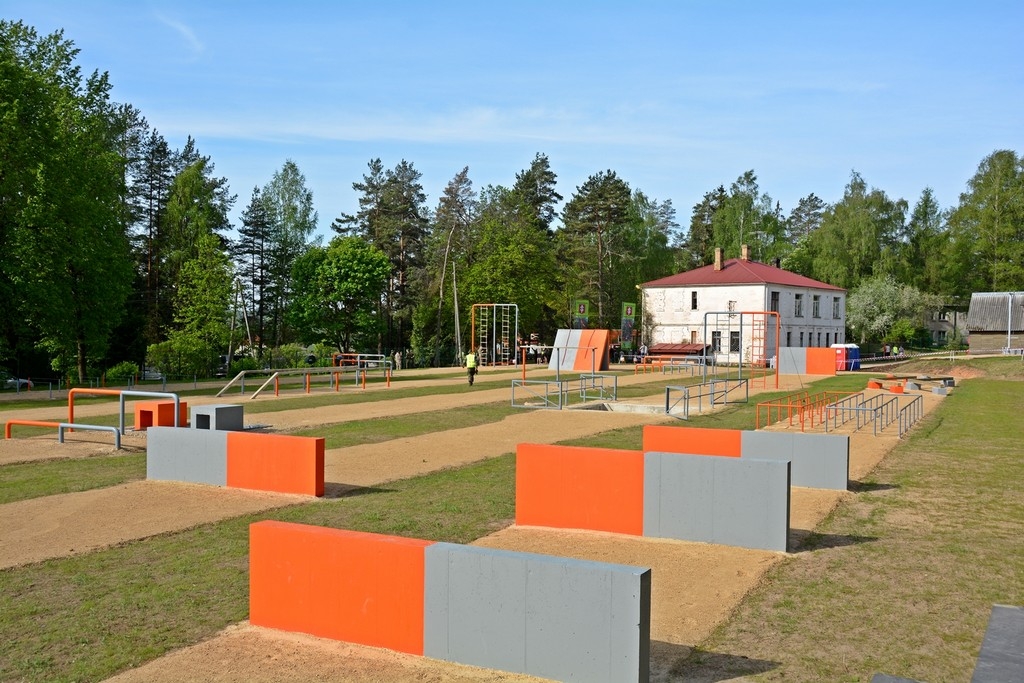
[[26, 423], [307, 382], [387, 375], [277, 386], [364, 379], [97, 392]]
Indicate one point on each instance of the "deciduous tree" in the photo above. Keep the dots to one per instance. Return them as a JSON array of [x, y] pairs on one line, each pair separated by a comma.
[[339, 291]]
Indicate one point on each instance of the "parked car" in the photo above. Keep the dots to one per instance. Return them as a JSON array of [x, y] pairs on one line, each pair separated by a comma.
[[11, 382], [149, 374]]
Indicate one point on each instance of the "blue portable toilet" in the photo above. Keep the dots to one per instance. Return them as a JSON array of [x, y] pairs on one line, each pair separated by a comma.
[[847, 356]]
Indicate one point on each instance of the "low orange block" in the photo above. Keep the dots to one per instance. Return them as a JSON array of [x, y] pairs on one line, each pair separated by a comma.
[[276, 462], [159, 414], [334, 583], [692, 440], [572, 487], [872, 384]]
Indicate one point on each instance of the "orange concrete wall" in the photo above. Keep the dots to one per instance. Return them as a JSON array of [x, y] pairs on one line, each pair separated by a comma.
[[692, 440], [572, 487], [159, 414], [821, 361], [276, 462], [334, 583], [585, 355]]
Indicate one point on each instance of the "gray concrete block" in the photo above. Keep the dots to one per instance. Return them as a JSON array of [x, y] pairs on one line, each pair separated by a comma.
[[678, 496], [752, 503], [792, 360], [545, 616], [820, 461], [218, 416], [730, 501], [184, 454], [941, 391], [1002, 651]]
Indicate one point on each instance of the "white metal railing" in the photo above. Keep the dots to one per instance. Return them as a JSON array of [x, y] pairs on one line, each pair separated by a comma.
[[717, 391], [549, 394]]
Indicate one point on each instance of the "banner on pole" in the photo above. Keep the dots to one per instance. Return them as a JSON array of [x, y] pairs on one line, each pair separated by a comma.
[[581, 313], [628, 316]]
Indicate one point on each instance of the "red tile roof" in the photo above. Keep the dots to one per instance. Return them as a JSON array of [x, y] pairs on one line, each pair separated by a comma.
[[739, 272], [666, 349]]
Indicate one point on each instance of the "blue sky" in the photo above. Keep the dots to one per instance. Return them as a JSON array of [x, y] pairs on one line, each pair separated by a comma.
[[675, 97]]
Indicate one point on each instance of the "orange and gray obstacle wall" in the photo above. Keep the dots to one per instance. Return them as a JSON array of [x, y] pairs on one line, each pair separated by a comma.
[[540, 615]]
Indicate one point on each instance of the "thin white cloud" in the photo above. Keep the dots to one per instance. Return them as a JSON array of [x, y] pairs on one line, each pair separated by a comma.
[[195, 45], [472, 125]]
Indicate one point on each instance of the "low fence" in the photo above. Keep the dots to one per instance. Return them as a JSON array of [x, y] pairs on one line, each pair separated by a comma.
[[543, 393], [716, 391], [910, 414], [803, 408], [880, 411], [598, 387], [539, 393], [832, 410]]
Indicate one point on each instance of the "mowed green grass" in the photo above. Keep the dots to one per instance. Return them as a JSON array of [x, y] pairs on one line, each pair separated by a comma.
[[902, 575], [901, 578]]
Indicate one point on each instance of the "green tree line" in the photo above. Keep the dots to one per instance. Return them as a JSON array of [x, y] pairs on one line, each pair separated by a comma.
[[118, 248]]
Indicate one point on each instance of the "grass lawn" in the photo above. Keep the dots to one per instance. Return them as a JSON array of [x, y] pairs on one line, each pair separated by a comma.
[[899, 579]]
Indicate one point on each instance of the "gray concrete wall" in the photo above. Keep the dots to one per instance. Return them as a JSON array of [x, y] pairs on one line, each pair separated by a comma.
[[569, 620], [740, 502], [819, 461], [792, 360], [199, 456]]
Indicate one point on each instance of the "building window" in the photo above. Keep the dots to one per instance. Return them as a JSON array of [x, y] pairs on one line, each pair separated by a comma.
[[828, 339], [943, 316], [774, 305], [734, 342], [835, 308], [732, 306], [789, 338], [819, 339], [716, 341], [940, 336], [693, 301], [801, 339], [798, 307], [816, 306]]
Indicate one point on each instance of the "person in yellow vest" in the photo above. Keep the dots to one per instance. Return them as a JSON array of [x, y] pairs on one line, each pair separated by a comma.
[[471, 366]]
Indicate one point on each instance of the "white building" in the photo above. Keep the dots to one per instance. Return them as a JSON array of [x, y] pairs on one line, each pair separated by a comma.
[[722, 306]]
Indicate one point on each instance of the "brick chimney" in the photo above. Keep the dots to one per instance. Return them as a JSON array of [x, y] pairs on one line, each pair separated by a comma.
[[718, 258], [744, 252]]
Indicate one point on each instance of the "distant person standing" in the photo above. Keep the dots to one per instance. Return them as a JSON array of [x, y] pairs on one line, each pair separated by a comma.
[[398, 360], [643, 352], [471, 366]]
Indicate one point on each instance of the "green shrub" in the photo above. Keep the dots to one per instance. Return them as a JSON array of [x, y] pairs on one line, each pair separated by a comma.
[[122, 372], [244, 363]]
